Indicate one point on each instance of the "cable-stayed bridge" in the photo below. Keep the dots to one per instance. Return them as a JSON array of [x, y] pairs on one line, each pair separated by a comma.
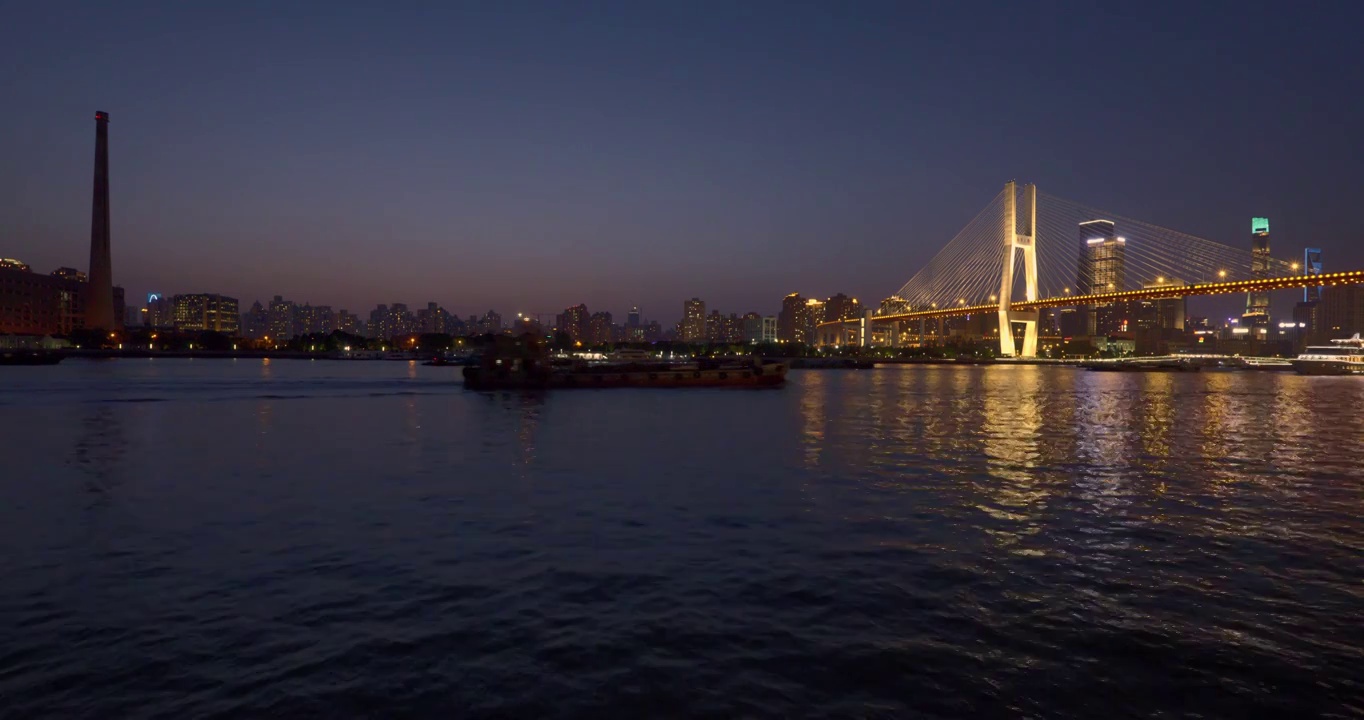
[[1028, 251]]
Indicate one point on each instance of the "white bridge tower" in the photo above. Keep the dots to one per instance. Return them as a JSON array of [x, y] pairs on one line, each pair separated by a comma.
[[1019, 236]]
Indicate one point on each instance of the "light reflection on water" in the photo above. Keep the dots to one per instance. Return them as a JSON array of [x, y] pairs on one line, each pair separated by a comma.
[[958, 541]]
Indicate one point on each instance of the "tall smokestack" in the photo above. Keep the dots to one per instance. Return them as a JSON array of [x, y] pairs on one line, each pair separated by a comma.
[[99, 301]]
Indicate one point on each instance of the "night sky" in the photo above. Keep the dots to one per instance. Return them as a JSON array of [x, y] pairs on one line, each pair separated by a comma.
[[527, 156]]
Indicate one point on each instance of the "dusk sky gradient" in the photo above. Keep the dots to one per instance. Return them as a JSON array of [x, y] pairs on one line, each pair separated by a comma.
[[528, 156]]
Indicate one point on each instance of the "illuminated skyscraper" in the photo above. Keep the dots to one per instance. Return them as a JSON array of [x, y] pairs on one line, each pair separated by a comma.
[[206, 311], [1103, 268], [1257, 303], [99, 301]]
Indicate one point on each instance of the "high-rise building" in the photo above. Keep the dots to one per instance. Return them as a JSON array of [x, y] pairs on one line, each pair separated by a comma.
[[202, 312], [1103, 268], [1342, 311], [632, 320], [752, 327], [282, 326], [347, 322], [1257, 303], [599, 328], [841, 307], [255, 322], [812, 315], [789, 326], [312, 319], [160, 311], [893, 305], [99, 304], [1157, 322], [67, 273], [1307, 318], [693, 325], [573, 321], [1311, 265], [491, 322], [12, 264], [769, 329], [715, 327], [433, 319]]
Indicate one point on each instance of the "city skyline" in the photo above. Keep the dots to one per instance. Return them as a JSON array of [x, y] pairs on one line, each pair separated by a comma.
[[740, 183]]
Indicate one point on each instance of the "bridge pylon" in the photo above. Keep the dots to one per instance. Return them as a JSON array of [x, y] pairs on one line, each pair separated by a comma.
[[1019, 238]]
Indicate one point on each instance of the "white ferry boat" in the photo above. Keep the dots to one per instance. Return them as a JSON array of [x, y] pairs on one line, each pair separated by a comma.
[[1341, 357]]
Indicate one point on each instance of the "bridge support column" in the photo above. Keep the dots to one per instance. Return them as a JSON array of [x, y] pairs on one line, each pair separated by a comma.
[[864, 330], [1019, 238]]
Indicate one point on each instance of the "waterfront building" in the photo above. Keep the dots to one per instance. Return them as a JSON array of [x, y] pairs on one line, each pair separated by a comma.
[[433, 319], [347, 322], [281, 319], [574, 322], [789, 326], [715, 327], [752, 324], [769, 329], [12, 264], [1103, 268], [200, 312], [893, 305], [653, 331], [313, 320], [692, 328], [1257, 303], [1342, 311], [810, 319], [1307, 318], [599, 327], [36, 304], [491, 322], [255, 322], [1158, 322], [841, 307]]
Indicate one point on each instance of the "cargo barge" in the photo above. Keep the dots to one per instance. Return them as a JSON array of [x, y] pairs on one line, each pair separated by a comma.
[[523, 364]]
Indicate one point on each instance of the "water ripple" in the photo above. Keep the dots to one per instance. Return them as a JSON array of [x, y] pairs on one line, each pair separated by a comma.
[[360, 540]]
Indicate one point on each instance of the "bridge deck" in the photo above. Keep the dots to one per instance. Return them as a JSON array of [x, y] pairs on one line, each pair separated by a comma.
[[1157, 292]]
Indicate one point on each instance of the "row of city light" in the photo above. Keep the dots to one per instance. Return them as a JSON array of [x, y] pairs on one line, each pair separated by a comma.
[[1216, 288]]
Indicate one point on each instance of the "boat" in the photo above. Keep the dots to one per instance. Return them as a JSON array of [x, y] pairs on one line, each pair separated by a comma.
[[1341, 357], [29, 357], [523, 363]]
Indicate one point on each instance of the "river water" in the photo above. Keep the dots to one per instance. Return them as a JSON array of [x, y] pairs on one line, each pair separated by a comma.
[[220, 538]]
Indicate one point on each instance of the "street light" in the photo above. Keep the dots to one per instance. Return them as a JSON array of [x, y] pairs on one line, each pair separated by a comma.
[[1160, 279], [1295, 267], [1221, 273]]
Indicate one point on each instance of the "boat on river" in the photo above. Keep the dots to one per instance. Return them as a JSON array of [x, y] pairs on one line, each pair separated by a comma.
[[29, 357], [523, 363], [1341, 357]]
